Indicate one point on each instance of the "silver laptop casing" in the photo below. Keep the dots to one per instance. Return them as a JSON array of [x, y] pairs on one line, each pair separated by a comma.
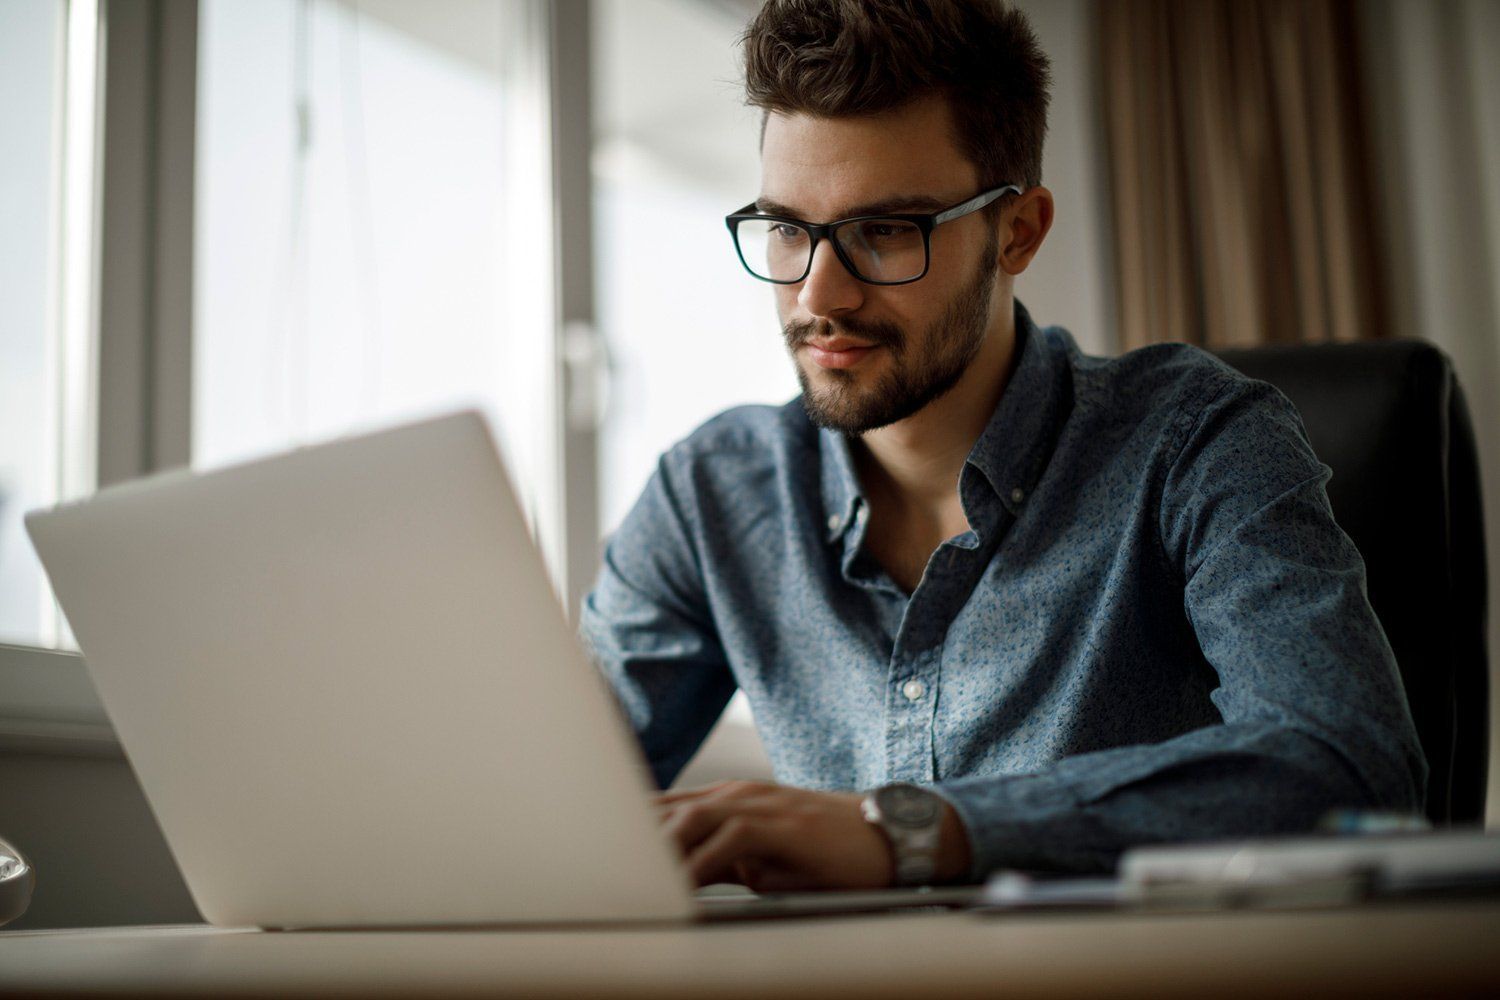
[[350, 695]]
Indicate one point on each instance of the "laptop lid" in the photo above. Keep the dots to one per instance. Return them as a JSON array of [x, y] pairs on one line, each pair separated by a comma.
[[350, 694]]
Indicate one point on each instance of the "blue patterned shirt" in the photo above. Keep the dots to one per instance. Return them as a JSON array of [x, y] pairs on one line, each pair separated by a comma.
[[1152, 631]]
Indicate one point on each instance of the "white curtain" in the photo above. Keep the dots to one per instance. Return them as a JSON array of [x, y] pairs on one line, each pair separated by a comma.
[[1434, 91]]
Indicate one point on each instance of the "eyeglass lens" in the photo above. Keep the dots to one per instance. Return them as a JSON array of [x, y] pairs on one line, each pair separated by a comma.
[[879, 249]]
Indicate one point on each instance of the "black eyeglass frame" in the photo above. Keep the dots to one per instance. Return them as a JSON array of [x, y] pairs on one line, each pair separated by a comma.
[[924, 222]]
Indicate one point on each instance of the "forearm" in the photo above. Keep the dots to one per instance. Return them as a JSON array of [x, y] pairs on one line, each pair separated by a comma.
[[1218, 782]]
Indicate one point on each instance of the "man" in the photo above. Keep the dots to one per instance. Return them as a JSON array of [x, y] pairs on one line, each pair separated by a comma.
[[993, 602]]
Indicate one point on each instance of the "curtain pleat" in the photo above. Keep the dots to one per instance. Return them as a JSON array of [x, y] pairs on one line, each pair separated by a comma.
[[1240, 184]]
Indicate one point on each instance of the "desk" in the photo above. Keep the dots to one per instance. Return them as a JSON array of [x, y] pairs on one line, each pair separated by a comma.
[[1427, 949]]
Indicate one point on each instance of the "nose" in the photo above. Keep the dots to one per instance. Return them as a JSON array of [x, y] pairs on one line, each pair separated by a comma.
[[829, 289]]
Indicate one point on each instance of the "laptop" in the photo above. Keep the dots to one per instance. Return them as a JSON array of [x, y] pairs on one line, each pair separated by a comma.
[[352, 698]]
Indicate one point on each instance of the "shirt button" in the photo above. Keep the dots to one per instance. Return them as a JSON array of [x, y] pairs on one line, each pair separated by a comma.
[[914, 690], [1017, 495], [834, 522]]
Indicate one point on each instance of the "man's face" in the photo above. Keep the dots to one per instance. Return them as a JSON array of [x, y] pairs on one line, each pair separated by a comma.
[[870, 355]]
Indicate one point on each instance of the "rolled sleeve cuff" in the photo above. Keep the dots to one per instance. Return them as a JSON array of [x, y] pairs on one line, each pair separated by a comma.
[[1022, 821]]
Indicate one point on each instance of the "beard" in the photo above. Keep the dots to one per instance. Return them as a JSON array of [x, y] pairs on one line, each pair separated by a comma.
[[943, 355]]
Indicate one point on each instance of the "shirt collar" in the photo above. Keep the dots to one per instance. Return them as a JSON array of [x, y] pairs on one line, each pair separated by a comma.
[[1011, 451], [841, 493], [1014, 447]]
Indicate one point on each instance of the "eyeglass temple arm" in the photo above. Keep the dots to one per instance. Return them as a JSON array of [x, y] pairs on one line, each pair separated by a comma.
[[974, 204]]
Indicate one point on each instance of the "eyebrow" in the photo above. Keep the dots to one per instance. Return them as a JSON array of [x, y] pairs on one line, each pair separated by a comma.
[[890, 206]]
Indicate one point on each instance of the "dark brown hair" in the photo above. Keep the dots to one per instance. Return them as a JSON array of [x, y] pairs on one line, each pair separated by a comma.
[[843, 58]]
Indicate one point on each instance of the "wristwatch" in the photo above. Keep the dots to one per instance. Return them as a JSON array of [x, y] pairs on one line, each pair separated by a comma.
[[910, 817]]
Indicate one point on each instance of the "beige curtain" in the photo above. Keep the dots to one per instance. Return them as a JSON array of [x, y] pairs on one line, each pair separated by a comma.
[[1241, 187]]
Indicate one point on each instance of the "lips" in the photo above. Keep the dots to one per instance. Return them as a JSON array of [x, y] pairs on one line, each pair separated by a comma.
[[837, 344], [838, 352]]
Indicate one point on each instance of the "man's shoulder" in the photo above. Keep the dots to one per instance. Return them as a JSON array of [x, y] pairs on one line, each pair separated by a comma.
[[1160, 384], [742, 464], [1178, 405], [743, 437]]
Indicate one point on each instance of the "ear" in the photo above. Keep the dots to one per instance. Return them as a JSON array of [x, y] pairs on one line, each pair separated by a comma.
[[1023, 227]]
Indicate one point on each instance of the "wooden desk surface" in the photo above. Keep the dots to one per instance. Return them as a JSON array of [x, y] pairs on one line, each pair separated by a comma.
[[1428, 949]]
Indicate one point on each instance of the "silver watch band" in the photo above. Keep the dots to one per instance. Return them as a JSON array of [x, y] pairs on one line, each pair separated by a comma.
[[911, 819], [916, 861]]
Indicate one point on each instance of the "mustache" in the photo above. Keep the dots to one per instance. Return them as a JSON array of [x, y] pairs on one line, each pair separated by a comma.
[[878, 334]]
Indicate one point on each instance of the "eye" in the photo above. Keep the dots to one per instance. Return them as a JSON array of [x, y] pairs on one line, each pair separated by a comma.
[[784, 233], [888, 234]]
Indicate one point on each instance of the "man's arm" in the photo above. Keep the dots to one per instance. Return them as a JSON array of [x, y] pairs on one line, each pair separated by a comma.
[[651, 633], [1314, 714]]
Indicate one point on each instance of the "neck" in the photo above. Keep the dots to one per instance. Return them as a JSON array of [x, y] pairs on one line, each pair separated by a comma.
[[918, 460]]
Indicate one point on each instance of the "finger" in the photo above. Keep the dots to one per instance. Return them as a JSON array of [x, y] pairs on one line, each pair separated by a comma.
[[690, 823], [748, 873], [718, 788], [738, 841]]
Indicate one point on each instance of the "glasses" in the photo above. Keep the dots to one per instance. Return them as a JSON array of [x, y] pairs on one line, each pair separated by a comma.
[[876, 249]]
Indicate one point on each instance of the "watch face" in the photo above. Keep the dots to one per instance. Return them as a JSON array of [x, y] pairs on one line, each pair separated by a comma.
[[908, 805]]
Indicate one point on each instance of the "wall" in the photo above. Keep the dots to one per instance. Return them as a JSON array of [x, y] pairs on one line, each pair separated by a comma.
[[1070, 282]]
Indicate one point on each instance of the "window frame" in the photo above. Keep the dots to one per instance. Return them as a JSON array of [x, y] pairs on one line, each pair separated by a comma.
[[137, 369], [129, 383]]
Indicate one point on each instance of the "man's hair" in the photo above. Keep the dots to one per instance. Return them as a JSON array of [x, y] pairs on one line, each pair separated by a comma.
[[847, 58]]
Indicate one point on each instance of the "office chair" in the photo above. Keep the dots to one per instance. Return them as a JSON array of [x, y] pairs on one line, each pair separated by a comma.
[[1389, 419]]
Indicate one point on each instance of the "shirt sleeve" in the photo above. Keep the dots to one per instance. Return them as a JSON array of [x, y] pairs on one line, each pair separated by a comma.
[[1314, 715], [649, 629]]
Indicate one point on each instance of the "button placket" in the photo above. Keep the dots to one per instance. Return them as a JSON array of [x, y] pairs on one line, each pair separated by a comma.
[[910, 694]]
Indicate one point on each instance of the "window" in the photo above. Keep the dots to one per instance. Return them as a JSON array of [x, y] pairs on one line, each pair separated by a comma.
[[316, 216], [47, 226], [373, 231]]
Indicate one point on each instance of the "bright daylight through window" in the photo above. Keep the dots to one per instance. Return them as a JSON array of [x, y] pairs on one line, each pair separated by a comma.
[[373, 241], [47, 225]]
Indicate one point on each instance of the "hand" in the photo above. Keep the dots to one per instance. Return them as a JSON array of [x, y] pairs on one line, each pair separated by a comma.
[[776, 839]]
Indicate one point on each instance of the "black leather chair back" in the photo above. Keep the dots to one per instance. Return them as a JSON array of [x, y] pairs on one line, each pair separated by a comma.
[[1390, 421]]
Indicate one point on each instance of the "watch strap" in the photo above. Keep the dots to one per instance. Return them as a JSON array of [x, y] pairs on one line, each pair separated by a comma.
[[914, 848]]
